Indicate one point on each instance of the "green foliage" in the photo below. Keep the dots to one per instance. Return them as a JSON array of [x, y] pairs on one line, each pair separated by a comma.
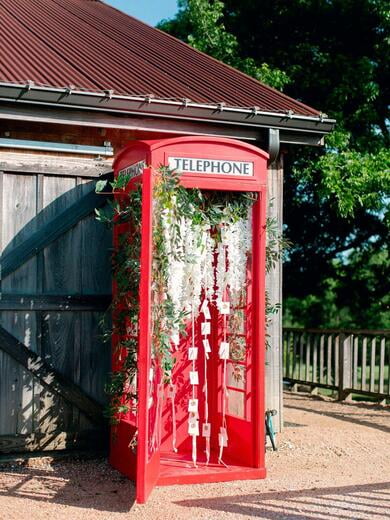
[[335, 56]]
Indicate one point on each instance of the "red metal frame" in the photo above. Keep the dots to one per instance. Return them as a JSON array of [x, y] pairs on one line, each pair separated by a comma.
[[245, 454]]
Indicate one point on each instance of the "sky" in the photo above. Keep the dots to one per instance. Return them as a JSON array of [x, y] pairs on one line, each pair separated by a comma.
[[149, 11]]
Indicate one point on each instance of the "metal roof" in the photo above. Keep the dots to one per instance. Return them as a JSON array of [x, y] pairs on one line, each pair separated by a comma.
[[88, 45]]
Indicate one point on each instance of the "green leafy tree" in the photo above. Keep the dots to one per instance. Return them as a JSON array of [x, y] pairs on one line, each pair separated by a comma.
[[333, 55], [200, 23]]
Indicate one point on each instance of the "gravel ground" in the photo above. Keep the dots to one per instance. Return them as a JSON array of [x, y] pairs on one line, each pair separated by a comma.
[[333, 462]]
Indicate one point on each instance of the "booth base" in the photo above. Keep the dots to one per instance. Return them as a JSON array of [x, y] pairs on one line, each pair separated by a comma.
[[178, 468]]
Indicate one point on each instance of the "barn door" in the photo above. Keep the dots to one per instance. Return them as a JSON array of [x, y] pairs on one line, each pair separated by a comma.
[[55, 283]]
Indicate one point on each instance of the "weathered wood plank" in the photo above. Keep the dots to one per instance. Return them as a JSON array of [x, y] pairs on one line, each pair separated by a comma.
[[364, 363], [62, 166], [308, 356], [50, 232], [329, 360], [50, 377], [364, 332], [355, 361], [94, 357], [18, 222], [344, 383], [382, 366], [322, 357], [53, 302], [55, 440], [62, 273], [38, 388], [287, 347], [315, 359], [301, 341], [337, 353], [295, 350], [372, 365]]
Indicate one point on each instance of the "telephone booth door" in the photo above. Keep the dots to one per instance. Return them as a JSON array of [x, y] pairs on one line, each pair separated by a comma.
[[228, 335]]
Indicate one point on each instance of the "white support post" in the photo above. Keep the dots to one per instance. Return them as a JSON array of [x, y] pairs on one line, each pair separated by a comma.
[[274, 361]]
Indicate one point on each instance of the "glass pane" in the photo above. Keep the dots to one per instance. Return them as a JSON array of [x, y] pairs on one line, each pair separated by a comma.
[[236, 403], [236, 376], [237, 322], [237, 348]]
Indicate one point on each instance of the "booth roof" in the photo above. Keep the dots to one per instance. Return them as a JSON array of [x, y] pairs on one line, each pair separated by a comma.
[[90, 46]]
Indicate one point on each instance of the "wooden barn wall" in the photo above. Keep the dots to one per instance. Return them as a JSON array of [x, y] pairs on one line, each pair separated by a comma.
[[77, 263]]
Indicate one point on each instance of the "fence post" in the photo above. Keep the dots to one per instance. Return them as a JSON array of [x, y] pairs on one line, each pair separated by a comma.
[[345, 366]]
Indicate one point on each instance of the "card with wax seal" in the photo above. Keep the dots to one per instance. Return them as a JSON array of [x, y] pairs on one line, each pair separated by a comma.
[[193, 405], [193, 416], [192, 353], [193, 428], [205, 310], [194, 378], [205, 328], [224, 350], [222, 440], [206, 346], [175, 338], [224, 307], [206, 430], [171, 391], [151, 374]]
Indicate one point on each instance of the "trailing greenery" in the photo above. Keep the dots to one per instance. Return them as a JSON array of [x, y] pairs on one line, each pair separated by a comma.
[[124, 308], [212, 208]]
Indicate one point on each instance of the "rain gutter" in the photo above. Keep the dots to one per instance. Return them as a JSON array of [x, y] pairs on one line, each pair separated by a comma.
[[183, 109]]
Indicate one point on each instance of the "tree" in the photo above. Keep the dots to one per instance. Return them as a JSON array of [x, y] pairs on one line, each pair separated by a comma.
[[200, 23], [334, 55]]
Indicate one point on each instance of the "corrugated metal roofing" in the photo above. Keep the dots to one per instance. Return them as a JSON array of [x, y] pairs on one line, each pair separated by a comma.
[[92, 46]]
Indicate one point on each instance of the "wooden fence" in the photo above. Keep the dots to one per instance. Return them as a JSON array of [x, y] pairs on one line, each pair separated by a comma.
[[346, 361]]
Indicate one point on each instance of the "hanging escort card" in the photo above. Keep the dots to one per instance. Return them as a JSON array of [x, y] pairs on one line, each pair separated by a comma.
[[193, 428], [224, 350], [222, 437], [224, 307], [192, 353], [194, 378], [205, 328], [206, 430], [175, 338], [205, 310], [193, 405], [171, 391]]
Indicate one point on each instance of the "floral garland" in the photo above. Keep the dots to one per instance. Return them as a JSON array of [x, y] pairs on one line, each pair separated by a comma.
[[191, 231]]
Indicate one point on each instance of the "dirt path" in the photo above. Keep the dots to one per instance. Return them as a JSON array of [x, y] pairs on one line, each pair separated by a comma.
[[333, 463]]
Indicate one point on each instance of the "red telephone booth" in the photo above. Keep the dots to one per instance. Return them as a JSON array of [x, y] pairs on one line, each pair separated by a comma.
[[227, 391]]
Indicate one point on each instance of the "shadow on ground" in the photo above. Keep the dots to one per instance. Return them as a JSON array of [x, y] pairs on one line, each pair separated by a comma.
[[330, 502], [346, 412], [88, 484]]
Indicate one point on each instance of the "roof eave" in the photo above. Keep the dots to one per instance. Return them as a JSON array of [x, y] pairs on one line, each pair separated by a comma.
[[107, 101]]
